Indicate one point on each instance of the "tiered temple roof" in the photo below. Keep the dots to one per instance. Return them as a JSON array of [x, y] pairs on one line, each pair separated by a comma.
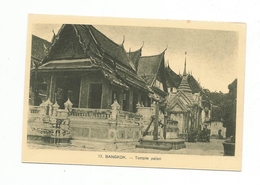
[[149, 66], [39, 48], [172, 79], [121, 68], [134, 57], [152, 68], [100, 53]]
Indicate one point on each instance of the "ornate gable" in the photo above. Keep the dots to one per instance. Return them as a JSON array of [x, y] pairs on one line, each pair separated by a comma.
[[66, 45], [178, 102]]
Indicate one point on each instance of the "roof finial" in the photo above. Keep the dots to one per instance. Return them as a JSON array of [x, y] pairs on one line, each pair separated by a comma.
[[184, 71], [123, 39], [166, 48], [53, 37], [53, 32], [142, 45], [167, 63]]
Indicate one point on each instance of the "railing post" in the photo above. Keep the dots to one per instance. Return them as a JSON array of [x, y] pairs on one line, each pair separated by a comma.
[[43, 109], [115, 108], [48, 104], [46, 108], [68, 105]]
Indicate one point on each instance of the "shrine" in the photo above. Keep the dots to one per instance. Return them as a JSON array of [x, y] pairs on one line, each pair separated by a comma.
[[188, 107]]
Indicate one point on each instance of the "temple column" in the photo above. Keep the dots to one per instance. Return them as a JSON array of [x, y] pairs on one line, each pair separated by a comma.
[[165, 124], [52, 88], [131, 98]]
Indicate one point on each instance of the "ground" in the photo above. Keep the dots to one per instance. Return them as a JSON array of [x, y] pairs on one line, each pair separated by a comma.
[[213, 148]]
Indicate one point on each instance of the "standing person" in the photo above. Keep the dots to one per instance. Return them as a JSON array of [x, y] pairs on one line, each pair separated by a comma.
[[220, 134]]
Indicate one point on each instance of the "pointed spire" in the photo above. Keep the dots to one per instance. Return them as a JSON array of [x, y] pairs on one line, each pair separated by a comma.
[[184, 71]]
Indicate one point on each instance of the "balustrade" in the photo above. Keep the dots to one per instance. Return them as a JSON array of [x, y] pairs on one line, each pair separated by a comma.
[[34, 109], [115, 113], [91, 113], [129, 116]]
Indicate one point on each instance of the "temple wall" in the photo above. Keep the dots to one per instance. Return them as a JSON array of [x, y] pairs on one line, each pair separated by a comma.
[[215, 127], [108, 130]]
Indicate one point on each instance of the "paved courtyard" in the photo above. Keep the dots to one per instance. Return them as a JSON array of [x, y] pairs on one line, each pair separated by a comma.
[[213, 148]]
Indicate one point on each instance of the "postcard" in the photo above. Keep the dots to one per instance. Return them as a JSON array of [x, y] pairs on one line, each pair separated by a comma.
[[134, 92]]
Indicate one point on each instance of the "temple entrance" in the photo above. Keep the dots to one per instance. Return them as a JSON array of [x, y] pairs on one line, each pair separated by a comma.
[[95, 94], [67, 87]]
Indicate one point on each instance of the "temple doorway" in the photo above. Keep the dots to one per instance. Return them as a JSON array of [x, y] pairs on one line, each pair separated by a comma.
[[67, 87]]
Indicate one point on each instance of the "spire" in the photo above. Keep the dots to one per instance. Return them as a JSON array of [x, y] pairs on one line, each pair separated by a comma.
[[184, 86], [184, 71]]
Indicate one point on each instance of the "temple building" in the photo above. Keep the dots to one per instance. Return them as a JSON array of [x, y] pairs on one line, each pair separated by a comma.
[[92, 84], [152, 70], [84, 65], [187, 106]]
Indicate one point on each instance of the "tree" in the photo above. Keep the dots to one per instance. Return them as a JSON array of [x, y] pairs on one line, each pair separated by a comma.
[[229, 110]]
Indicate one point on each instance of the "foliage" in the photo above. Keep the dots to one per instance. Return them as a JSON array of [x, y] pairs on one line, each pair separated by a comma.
[[224, 107]]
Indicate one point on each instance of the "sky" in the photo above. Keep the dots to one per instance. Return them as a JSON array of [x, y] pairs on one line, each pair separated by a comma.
[[211, 54]]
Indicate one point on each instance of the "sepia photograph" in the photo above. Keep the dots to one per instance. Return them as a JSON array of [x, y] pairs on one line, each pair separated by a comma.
[[134, 92]]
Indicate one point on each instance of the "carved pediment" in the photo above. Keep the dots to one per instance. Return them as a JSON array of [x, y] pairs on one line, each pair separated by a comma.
[[67, 45], [176, 106]]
